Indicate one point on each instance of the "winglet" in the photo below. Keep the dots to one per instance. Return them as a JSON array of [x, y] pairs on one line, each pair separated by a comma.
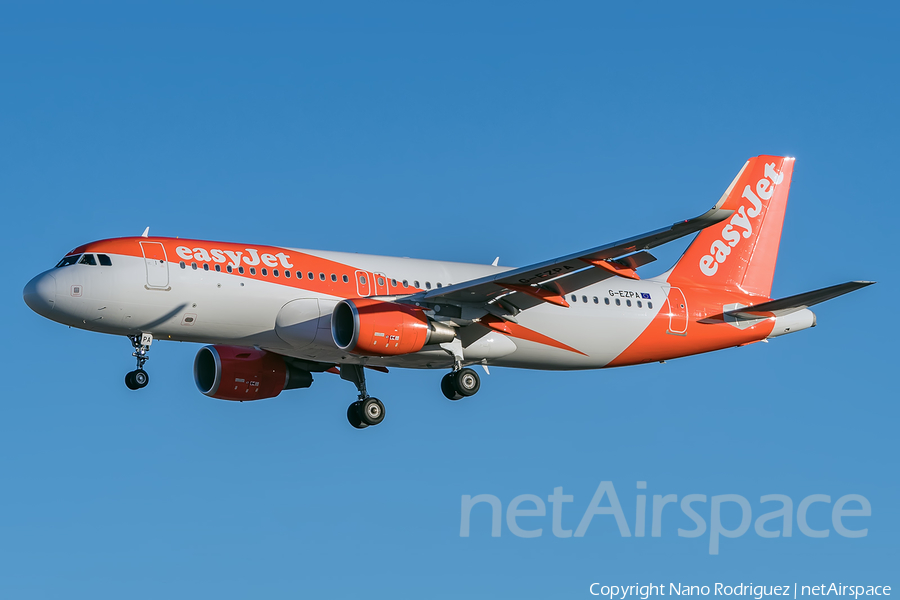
[[146, 232], [496, 261]]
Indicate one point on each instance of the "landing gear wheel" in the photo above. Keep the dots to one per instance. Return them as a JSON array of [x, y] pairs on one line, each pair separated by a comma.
[[136, 380], [353, 416], [140, 378], [129, 381], [466, 382], [371, 411], [448, 388]]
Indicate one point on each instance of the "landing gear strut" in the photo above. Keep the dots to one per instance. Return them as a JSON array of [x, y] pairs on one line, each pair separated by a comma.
[[367, 410], [460, 383], [139, 378]]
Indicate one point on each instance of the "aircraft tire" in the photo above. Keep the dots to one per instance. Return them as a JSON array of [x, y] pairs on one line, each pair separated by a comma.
[[371, 411], [466, 382], [140, 378], [353, 416], [449, 388], [129, 381]]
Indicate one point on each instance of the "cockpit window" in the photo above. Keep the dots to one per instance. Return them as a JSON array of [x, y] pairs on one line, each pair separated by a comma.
[[69, 260], [88, 259], [104, 260]]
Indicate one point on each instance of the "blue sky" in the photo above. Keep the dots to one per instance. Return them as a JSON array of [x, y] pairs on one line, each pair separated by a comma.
[[461, 132]]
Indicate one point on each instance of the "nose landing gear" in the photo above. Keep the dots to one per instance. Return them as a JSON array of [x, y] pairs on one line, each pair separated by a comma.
[[460, 383], [135, 380], [139, 378], [367, 410]]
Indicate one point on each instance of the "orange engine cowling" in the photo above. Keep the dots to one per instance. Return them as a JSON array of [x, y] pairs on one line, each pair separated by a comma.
[[378, 328], [239, 373]]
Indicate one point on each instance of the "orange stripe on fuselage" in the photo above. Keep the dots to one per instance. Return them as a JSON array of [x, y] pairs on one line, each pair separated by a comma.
[[656, 342], [299, 261], [517, 331]]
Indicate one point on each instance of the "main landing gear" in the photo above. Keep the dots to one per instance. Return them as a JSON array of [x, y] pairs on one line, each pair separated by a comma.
[[367, 410], [460, 383], [139, 378]]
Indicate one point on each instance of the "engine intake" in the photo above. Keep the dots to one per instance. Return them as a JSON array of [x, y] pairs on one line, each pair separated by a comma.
[[238, 373], [378, 328]]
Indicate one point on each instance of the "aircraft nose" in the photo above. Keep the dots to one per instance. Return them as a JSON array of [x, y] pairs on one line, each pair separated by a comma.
[[40, 294]]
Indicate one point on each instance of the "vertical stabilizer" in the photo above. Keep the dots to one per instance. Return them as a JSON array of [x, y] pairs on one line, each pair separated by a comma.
[[740, 253]]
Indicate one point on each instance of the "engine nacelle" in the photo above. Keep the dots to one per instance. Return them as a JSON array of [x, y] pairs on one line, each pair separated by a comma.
[[378, 328], [239, 373]]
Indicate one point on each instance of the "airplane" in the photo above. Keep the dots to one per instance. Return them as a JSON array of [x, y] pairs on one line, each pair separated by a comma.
[[273, 316]]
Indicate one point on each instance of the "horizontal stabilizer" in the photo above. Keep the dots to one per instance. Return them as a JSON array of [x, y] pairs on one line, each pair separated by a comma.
[[786, 306]]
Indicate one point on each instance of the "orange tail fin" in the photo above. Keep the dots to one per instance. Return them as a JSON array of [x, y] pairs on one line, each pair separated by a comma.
[[740, 253]]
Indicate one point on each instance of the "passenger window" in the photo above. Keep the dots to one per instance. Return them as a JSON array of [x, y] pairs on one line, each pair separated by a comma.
[[182, 265], [428, 285], [194, 266], [606, 301], [333, 277], [229, 268], [205, 267], [381, 281], [310, 275], [287, 274], [394, 282], [88, 259], [574, 298], [639, 304], [416, 284], [628, 303], [253, 270], [405, 283], [596, 300], [218, 268], [265, 271], [618, 302], [345, 279], [650, 305], [104, 260], [241, 270], [439, 285], [275, 272], [584, 299], [322, 276], [362, 279]]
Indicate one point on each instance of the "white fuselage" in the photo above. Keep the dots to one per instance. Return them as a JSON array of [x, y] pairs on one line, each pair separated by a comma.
[[175, 300]]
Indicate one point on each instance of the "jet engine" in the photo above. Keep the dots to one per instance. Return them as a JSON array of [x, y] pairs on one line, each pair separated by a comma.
[[378, 328], [239, 373]]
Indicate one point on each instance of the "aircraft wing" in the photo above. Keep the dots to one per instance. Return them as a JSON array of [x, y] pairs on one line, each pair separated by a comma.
[[786, 306], [550, 280]]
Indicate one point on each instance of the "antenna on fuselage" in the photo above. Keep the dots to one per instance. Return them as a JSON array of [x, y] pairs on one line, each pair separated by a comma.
[[146, 233]]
